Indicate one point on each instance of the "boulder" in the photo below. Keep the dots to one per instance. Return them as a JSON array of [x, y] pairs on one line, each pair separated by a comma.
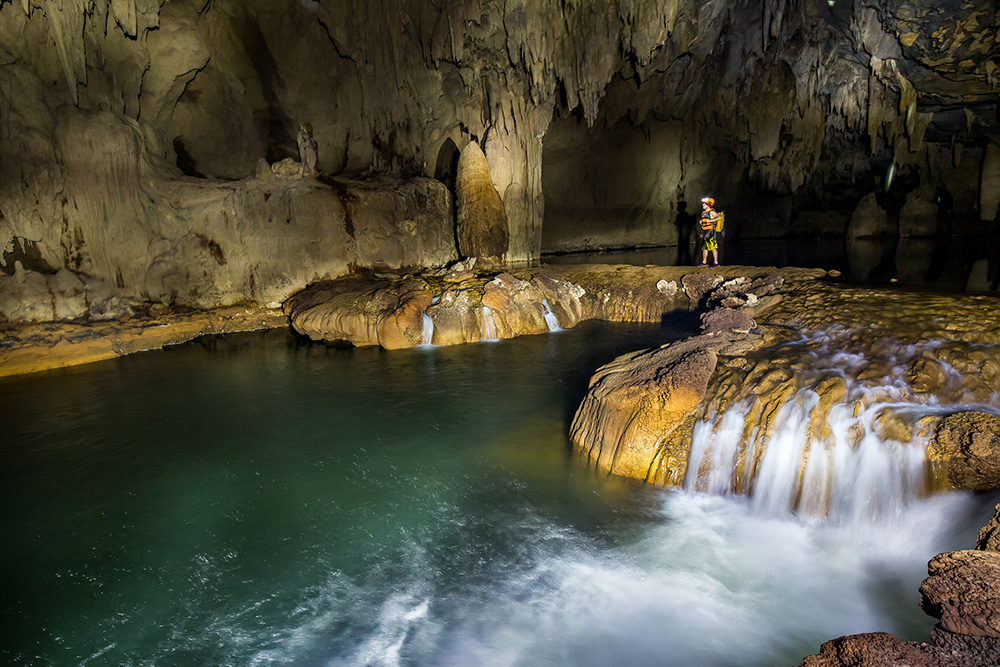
[[636, 418], [963, 593], [965, 452], [881, 649], [697, 285], [727, 319]]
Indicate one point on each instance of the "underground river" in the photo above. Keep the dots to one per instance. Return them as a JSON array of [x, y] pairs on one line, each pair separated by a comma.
[[255, 500]]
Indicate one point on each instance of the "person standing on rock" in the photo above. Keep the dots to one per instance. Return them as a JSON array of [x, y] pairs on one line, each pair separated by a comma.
[[710, 219]]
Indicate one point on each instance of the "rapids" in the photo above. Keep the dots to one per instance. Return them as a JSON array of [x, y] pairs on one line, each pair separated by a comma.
[[253, 500]]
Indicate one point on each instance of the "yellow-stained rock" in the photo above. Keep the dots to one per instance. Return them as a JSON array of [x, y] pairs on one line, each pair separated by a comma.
[[965, 452]]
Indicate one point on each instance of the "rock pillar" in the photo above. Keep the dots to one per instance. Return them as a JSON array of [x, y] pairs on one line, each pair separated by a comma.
[[482, 219], [514, 152]]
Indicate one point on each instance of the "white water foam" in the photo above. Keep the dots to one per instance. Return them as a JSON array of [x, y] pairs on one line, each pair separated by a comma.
[[550, 318], [710, 582]]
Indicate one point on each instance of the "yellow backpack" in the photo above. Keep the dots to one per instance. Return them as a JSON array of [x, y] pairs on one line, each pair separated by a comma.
[[721, 222]]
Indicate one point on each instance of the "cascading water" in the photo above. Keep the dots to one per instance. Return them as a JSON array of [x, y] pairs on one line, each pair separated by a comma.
[[489, 325], [427, 334], [826, 453], [550, 318], [421, 510]]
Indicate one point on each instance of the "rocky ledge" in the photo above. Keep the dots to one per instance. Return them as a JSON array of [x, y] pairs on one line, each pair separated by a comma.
[[39, 346], [822, 349], [463, 304]]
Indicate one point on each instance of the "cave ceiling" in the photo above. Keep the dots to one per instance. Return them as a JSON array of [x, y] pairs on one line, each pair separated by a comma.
[[781, 98]]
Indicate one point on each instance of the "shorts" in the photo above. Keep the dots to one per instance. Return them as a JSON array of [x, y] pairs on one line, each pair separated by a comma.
[[710, 243]]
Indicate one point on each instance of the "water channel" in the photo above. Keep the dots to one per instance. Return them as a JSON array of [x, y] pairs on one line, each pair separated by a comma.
[[258, 500]]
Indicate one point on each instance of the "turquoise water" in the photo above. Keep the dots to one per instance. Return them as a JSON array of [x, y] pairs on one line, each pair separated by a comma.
[[253, 500]]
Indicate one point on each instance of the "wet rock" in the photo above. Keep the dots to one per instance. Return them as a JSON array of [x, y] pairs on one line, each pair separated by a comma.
[[965, 451], [963, 593], [697, 285], [457, 317], [727, 319], [989, 535], [881, 649], [636, 417], [403, 325], [566, 300]]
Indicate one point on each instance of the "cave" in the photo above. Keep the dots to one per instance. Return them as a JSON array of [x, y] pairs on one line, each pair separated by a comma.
[[431, 173]]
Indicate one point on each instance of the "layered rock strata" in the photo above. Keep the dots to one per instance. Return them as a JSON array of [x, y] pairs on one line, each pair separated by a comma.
[[449, 306], [43, 346]]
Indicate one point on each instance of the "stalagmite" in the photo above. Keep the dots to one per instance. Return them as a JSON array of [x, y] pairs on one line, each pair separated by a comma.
[[482, 220]]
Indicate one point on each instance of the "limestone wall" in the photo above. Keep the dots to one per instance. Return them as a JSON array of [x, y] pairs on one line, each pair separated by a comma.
[[620, 109]]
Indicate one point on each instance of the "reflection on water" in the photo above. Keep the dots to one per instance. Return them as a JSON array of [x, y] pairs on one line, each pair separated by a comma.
[[954, 264], [251, 500]]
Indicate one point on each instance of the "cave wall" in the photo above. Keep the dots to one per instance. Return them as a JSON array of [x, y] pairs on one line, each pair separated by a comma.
[[124, 123]]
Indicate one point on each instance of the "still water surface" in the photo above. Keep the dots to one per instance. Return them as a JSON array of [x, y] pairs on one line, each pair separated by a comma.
[[252, 500]]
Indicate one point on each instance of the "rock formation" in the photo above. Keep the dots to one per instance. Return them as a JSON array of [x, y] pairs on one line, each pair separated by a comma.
[[481, 219], [140, 138], [470, 306], [962, 593], [869, 358]]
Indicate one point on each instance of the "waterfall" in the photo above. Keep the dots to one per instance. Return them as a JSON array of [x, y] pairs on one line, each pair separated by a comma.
[[820, 453], [427, 334], [489, 326], [550, 317], [853, 472], [428, 331]]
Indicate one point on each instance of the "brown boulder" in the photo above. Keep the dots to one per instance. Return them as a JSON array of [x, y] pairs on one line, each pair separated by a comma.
[[727, 319], [963, 592], [629, 421], [880, 649], [989, 535], [965, 452], [698, 285]]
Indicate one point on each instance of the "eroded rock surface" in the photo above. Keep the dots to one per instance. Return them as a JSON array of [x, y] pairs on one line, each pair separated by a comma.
[[965, 451], [881, 649], [636, 418]]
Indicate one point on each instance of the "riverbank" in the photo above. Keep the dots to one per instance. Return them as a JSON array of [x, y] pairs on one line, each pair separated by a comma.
[[40, 346]]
